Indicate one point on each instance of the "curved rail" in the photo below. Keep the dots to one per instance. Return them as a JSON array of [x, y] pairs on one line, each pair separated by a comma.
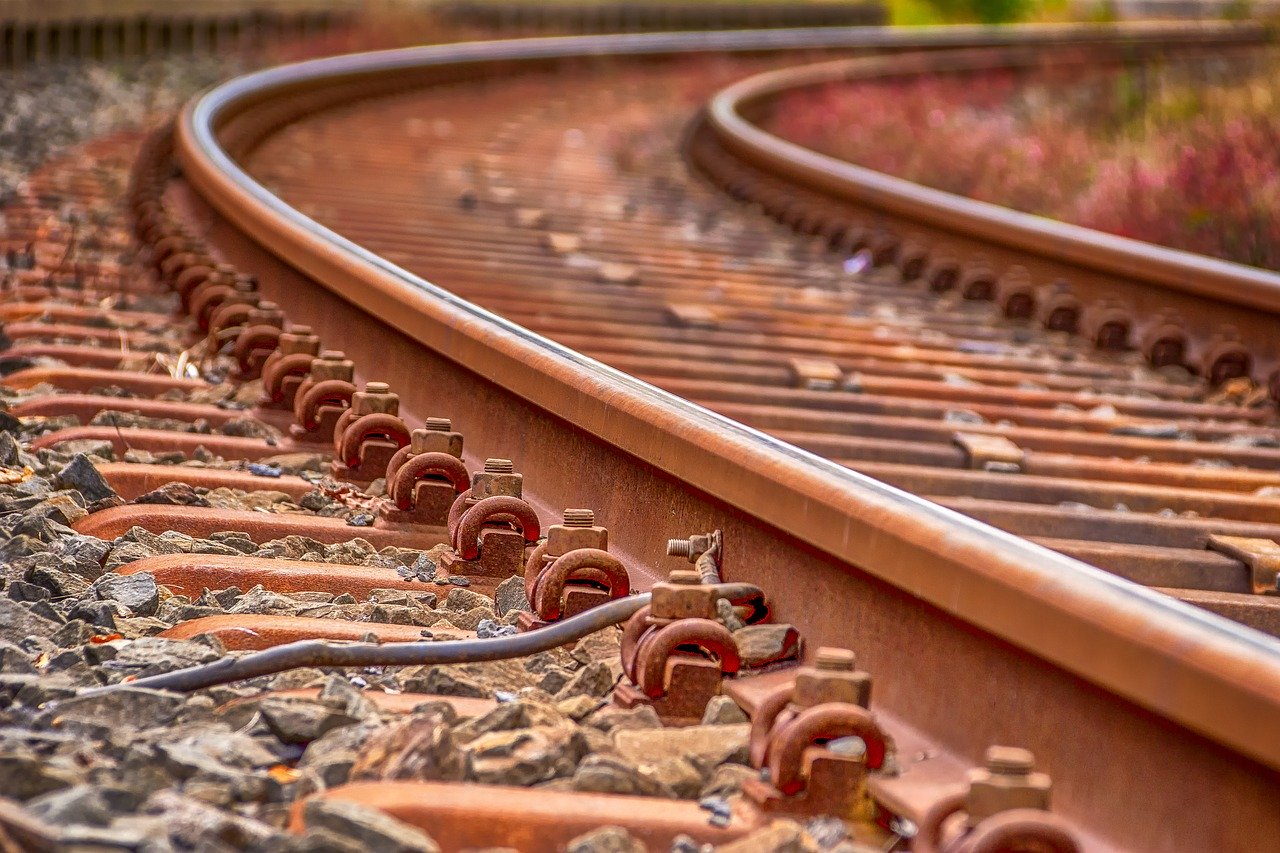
[[1071, 246], [1184, 665]]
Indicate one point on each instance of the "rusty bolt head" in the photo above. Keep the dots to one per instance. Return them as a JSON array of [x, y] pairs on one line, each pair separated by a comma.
[[437, 436], [832, 677], [377, 397], [299, 339], [683, 596], [1008, 781], [267, 314], [497, 478], [830, 659], [332, 364], [578, 531]]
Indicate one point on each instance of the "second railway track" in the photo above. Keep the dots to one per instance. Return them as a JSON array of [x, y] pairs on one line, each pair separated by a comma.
[[553, 193]]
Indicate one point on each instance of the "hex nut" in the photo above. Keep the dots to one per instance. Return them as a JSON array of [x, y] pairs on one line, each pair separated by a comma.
[[486, 484], [816, 686], [562, 539], [1007, 782]]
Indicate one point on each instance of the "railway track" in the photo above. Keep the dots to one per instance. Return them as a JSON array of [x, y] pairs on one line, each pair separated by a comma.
[[35, 32], [578, 264]]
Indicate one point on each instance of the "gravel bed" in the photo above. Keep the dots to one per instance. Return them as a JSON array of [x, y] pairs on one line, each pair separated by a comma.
[[142, 769], [49, 108], [220, 769]]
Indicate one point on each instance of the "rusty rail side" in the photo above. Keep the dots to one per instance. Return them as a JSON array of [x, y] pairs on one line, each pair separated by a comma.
[[1183, 665]]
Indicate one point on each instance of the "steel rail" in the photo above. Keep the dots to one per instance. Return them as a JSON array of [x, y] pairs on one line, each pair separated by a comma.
[[1183, 664], [1123, 257]]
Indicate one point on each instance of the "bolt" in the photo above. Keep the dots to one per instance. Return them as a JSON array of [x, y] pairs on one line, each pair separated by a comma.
[[332, 364], [679, 547], [376, 397], [299, 339], [1009, 761], [683, 577], [579, 518], [831, 659], [499, 466], [438, 425]]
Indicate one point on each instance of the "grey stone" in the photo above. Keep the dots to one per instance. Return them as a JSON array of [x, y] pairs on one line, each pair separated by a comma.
[[578, 707], [762, 644], [506, 716], [154, 655], [420, 746], [123, 708], [443, 681], [601, 646], [612, 718], [60, 584], [190, 822], [259, 600], [780, 836], [726, 780], [123, 555], [9, 449], [367, 827], [594, 679], [14, 659], [298, 720], [606, 839], [710, 745], [509, 597], [73, 633], [722, 710], [138, 591], [17, 622], [79, 804], [22, 591], [525, 756], [24, 775], [173, 494], [338, 691], [33, 690], [97, 613], [461, 600], [81, 475], [680, 775], [609, 774]]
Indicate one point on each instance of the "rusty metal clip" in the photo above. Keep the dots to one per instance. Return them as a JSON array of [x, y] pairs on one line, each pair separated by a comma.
[[792, 732], [1262, 556], [990, 452], [815, 374], [1004, 806], [692, 316]]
